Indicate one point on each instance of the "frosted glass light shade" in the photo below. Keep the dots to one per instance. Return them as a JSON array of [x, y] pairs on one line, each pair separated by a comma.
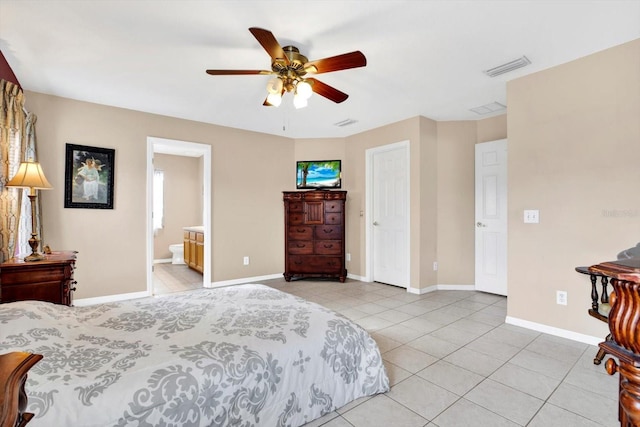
[[274, 85], [304, 90], [274, 99], [299, 101]]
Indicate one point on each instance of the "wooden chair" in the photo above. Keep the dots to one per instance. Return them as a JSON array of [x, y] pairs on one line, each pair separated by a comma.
[[600, 306]]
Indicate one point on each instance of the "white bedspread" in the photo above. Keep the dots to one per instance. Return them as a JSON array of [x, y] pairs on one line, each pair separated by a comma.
[[246, 355]]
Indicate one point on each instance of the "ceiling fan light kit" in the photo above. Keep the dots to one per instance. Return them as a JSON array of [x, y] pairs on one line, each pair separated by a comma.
[[290, 68]]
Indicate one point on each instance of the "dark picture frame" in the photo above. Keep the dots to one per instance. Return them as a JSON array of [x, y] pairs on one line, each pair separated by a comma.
[[88, 177]]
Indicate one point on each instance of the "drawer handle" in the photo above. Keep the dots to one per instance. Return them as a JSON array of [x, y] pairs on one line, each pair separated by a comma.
[[328, 246], [300, 245], [301, 230], [330, 230], [298, 262]]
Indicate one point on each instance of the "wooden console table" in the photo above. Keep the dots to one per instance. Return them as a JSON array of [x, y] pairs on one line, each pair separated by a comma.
[[624, 325]]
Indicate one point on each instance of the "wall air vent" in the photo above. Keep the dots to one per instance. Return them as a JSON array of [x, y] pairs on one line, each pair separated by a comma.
[[509, 66], [345, 122], [493, 107]]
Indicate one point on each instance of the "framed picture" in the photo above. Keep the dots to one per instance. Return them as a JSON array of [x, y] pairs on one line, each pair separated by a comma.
[[88, 177], [318, 174]]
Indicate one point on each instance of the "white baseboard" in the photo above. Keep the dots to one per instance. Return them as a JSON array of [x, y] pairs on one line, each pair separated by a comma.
[[162, 261], [109, 298], [433, 288], [254, 279], [562, 333], [356, 277]]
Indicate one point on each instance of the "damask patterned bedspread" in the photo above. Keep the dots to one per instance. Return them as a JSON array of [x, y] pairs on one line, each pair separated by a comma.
[[245, 355]]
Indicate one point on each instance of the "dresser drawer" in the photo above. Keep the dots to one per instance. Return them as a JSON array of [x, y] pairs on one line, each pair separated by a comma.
[[296, 218], [328, 247], [333, 218], [44, 291], [34, 275], [333, 206], [315, 264], [295, 207], [328, 232], [301, 247], [299, 232]]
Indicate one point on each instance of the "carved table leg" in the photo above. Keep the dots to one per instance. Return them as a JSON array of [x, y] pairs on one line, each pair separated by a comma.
[[629, 413], [594, 291]]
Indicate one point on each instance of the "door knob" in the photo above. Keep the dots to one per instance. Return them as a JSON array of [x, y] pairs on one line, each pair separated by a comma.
[[479, 224], [375, 222]]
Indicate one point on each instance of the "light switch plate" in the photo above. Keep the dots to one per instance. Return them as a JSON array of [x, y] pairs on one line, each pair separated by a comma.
[[531, 216]]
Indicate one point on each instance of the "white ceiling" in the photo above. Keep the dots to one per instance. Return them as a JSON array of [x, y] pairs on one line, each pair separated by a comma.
[[423, 57]]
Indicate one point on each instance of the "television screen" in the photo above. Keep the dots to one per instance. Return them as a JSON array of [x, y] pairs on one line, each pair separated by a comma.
[[319, 174]]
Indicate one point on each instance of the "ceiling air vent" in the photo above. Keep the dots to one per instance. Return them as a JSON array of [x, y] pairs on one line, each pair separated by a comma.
[[509, 66], [345, 122], [493, 107]]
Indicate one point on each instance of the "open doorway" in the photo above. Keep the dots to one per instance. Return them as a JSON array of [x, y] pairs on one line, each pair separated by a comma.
[[192, 160]]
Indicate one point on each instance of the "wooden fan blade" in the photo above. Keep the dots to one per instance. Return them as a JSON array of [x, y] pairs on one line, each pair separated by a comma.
[[327, 91], [237, 72], [336, 63], [268, 41]]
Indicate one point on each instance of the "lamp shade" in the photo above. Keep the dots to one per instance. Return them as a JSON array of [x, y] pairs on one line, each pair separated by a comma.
[[30, 175]]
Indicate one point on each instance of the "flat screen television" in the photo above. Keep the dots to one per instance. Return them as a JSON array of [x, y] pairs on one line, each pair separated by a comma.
[[319, 174]]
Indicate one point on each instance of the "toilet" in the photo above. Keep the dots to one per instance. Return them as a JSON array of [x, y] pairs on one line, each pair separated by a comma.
[[177, 253]]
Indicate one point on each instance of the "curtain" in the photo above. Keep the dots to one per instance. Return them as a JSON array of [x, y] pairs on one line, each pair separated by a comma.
[[12, 144]]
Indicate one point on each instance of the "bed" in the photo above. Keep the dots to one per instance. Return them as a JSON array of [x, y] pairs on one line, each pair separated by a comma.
[[245, 355]]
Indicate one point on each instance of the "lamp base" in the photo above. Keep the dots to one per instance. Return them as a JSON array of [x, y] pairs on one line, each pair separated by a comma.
[[33, 241], [34, 257]]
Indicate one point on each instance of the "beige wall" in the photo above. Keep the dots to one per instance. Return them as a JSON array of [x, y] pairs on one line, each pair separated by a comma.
[[247, 218], [574, 154], [182, 199], [456, 202]]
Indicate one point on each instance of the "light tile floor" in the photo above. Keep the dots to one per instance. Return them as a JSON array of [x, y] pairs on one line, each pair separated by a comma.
[[168, 278], [453, 362]]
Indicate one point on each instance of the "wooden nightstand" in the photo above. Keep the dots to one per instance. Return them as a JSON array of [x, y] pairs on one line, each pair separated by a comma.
[[48, 280]]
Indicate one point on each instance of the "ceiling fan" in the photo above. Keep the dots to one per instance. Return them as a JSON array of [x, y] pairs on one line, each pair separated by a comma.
[[291, 68]]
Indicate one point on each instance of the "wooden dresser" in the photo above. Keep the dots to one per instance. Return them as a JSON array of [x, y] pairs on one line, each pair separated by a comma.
[[48, 280], [314, 234]]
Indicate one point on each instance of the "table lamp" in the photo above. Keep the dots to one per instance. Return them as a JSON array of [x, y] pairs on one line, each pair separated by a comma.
[[30, 176]]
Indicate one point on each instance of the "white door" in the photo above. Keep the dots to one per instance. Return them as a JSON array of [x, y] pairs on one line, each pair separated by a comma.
[[390, 214], [491, 217]]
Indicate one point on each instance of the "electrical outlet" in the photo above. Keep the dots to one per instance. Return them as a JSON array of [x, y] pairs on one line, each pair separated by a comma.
[[348, 257], [561, 297], [246, 260], [435, 265]]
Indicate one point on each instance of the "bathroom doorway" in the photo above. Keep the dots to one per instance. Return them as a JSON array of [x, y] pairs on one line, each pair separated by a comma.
[[186, 168]]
